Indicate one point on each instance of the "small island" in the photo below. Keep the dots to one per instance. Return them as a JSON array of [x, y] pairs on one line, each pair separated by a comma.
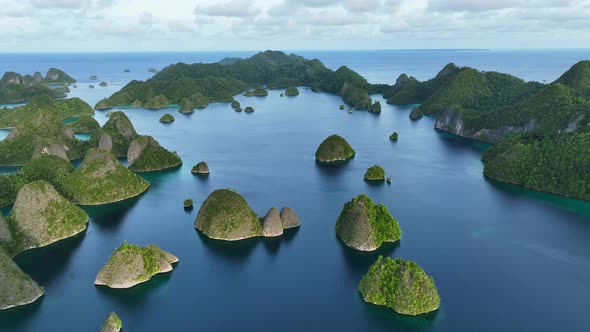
[[416, 114], [84, 125], [225, 215], [102, 179], [400, 285], [393, 136], [152, 70], [334, 150], [16, 88], [200, 169], [375, 173], [235, 104], [239, 109], [112, 324], [342, 107], [188, 204], [364, 226], [41, 216], [389, 180], [291, 92], [103, 84], [17, 288], [145, 154], [375, 108], [131, 265], [249, 109], [258, 92], [167, 118]]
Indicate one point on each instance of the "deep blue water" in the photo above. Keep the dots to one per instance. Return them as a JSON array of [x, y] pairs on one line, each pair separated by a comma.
[[503, 258]]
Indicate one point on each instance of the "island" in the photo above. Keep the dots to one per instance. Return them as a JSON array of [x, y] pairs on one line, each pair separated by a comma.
[[400, 285], [375, 173], [16, 88], [389, 180], [342, 107], [153, 70], [131, 265], [239, 109], [235, 104], [225, 215], [145, 154], [188, 204], [116, 135], [375, 108], [40, 217], [416, 114], [167, 118], [219, 82], [291, 92], [103, 84], [200, 169], [93, 77], [17, 288], [258, 92], [112, 324], [364, 226], [62, 108], [334, 150], [102, 179], [84, 125], [249, 109], [289, 218], [393, 136]]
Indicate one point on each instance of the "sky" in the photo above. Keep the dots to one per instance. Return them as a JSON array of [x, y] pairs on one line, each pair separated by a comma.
[[189, 25]]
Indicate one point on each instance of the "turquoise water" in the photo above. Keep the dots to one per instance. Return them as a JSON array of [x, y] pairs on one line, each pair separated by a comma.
[[503, 258]]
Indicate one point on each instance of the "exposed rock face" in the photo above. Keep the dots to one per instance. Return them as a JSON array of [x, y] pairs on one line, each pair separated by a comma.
[[131, 265], [37, 77], [334, 149], [112, 324], [400, 285], [289, 218], [5, 234], [201, 168], [102, 179], [44, 216], [121, 131], [225, 215], [452, 122], [364, 226], [16, 288], [416, 114], [105, 142], [145, 154], [271, 224]]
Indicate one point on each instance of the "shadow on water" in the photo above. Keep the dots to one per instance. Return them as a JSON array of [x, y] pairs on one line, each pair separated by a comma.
[[156, 177], [289, 234], [136, 296], [272, 244], [333, 169], [47, 264], [393, 321], [231, 251], [109, 217], [573, 205], [18, 317], [462, 142], [360, 261]]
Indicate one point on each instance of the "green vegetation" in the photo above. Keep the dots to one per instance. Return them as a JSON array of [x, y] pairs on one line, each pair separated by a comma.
[[42, 133], [389, 180], [62, 108], [375, 108], [257, 92], [578, 78], [121, 131], [102, 179], [334, 149], [375, 173], [41, 216], [364, 226], [200, 168], [393, 136], [16, 288], [136, 104], [291, 92], [341, 107], [225, 215], [167, 118], [16, 88], [145, 154], [416, 114], [249, 109], [131, 265], [188, 203], [235, 104], [400, 285], [187, 107], [157, 102], [218, 82], [84, 124], [112, 324]]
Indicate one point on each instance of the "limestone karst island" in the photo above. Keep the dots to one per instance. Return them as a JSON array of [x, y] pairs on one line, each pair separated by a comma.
[[315, 165]]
